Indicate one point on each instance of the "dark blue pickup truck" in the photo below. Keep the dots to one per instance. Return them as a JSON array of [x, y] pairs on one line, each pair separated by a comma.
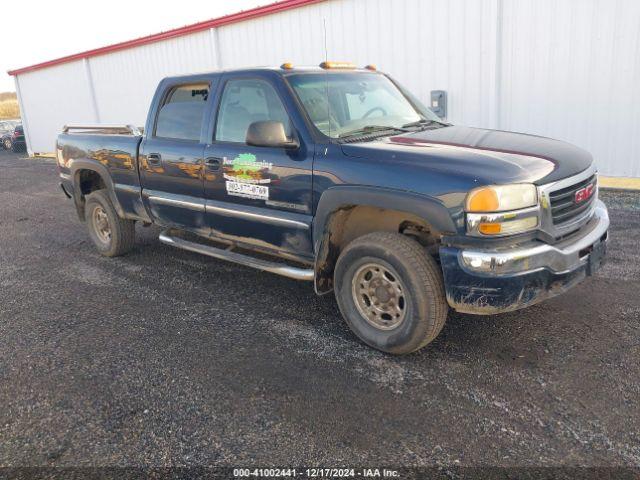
[[340, 176]]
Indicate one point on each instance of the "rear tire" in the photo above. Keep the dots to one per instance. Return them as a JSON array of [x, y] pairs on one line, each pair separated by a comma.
[[112, 235], [390, 292]]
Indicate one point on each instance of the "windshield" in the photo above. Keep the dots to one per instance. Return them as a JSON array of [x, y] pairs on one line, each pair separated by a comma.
[[343, 104], [8, 125]]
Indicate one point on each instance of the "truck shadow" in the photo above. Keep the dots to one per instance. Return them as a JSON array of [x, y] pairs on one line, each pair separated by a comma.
[[293, 310]]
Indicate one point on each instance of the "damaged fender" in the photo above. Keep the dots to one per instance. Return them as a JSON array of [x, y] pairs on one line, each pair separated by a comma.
[[335, 204]]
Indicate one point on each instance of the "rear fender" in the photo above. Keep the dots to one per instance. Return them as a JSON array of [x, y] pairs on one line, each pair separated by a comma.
[[78, 197]]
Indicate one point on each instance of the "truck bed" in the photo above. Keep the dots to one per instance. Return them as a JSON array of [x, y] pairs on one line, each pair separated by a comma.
[[111, 151]]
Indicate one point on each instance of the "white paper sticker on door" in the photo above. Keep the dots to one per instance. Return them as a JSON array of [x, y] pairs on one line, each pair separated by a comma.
[[247, 190]]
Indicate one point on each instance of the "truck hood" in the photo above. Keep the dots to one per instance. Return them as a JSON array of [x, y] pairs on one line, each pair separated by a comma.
[[482, 156]]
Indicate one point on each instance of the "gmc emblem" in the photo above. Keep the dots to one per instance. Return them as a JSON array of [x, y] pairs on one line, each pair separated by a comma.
[[584, 193]]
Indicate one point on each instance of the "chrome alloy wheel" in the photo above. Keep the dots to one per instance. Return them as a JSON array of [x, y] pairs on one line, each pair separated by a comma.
[[101, 224], [379, 296], [7, 144]]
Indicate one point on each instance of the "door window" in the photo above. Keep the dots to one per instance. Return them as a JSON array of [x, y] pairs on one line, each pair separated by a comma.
[[245, 101], [181, 115]]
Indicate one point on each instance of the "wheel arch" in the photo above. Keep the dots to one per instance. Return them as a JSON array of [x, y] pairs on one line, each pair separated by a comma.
[[88, 176], [346, 212]]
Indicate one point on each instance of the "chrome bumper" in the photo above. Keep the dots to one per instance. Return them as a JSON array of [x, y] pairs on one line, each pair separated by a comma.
[[560, 258]]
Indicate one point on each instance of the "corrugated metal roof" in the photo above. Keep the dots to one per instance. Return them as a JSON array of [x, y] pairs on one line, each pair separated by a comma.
[[176, 32]]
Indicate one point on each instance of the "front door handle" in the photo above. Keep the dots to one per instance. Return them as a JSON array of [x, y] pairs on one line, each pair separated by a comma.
[[154, 158], [213, 163]]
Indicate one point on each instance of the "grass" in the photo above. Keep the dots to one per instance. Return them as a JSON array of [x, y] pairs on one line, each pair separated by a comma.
[[9, 106]]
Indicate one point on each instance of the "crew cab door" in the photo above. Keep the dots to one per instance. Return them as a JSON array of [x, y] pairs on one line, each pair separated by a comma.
[[171, 154], [258, 195]]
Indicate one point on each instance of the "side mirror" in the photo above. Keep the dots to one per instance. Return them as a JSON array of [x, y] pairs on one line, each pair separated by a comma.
[[269, 133]]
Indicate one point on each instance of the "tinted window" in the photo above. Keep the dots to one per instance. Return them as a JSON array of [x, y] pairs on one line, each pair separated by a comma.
[[244, 102], [181, 115], [19, 129]]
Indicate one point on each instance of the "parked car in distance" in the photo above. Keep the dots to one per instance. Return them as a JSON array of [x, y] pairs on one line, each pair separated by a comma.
[[7, 126], [14, 140], [343, 178]]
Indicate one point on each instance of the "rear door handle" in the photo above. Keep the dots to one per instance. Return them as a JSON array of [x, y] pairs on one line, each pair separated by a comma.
[[213, 163], [154, 158]]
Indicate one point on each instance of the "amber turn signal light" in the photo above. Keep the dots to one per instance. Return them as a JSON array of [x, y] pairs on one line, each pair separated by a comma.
[[490, 228], [483, 200], [337, 65]]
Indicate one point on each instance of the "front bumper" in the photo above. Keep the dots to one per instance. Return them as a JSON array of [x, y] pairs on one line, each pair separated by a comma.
[[509, 278]]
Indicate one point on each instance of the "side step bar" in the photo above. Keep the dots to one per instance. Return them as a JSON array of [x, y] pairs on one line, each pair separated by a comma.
[[277, 268]]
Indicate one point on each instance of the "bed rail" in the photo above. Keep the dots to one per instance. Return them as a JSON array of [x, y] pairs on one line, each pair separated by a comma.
[[102, 128]]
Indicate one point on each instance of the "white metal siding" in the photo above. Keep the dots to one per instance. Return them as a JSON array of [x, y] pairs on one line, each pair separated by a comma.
[[571, 70], [125, 81], [568, 70], [456, 55], [51, 98]]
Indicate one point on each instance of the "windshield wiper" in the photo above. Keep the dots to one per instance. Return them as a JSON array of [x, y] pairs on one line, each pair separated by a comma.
[[425, 121], [372, 129]]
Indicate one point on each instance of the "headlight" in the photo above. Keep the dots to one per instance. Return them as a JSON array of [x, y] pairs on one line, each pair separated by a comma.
[[502, 210], [500, 198]]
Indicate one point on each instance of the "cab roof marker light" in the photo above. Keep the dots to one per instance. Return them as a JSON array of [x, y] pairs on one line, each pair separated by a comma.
[[337, 65], [371, 67], [287, 66]]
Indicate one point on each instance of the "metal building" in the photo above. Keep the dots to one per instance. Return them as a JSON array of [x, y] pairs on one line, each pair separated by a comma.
[[565, 69]]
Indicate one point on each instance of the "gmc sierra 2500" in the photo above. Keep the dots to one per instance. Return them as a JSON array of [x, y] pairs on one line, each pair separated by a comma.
[[351, 183]]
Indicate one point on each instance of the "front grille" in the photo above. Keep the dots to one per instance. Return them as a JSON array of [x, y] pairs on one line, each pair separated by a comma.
[[564, 207]]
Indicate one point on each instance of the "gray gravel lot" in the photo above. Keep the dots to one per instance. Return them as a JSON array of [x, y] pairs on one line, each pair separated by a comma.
[[164, 357]]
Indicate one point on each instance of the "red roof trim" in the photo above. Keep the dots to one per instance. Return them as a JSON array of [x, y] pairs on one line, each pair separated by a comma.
[[177, 32]]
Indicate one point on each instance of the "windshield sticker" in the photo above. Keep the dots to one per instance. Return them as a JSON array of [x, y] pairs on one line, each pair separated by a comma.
[[245, 168]]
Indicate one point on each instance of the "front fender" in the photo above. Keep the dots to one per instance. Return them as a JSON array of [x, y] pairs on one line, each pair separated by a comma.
[[336, 200]]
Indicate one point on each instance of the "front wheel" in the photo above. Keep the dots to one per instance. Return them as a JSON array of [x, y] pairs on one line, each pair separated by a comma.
[[7, 144], [112, 235], [390, 292]]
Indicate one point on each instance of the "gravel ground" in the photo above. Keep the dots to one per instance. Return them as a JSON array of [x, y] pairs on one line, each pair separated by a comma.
[[167, 358]]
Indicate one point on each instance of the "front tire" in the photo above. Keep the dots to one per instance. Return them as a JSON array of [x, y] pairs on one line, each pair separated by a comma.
[[112, 235], [7, 144], [390, 292]]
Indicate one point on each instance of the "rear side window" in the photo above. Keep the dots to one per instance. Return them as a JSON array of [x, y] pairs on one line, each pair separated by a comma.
[[181, 115]]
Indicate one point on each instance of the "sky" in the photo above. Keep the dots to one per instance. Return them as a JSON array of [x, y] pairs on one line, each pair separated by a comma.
[[63, 27]]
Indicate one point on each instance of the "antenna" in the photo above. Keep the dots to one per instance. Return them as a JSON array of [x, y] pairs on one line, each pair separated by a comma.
[[326, 51], [326, 59]]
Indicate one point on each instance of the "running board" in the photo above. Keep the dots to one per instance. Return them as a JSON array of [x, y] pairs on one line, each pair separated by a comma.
[[277, 268]]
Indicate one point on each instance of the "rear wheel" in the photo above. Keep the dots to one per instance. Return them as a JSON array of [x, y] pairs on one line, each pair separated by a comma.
[[390, 292], [112, 235]]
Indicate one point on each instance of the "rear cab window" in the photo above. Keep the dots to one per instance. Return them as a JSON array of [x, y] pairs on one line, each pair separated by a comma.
[[181, 115]]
